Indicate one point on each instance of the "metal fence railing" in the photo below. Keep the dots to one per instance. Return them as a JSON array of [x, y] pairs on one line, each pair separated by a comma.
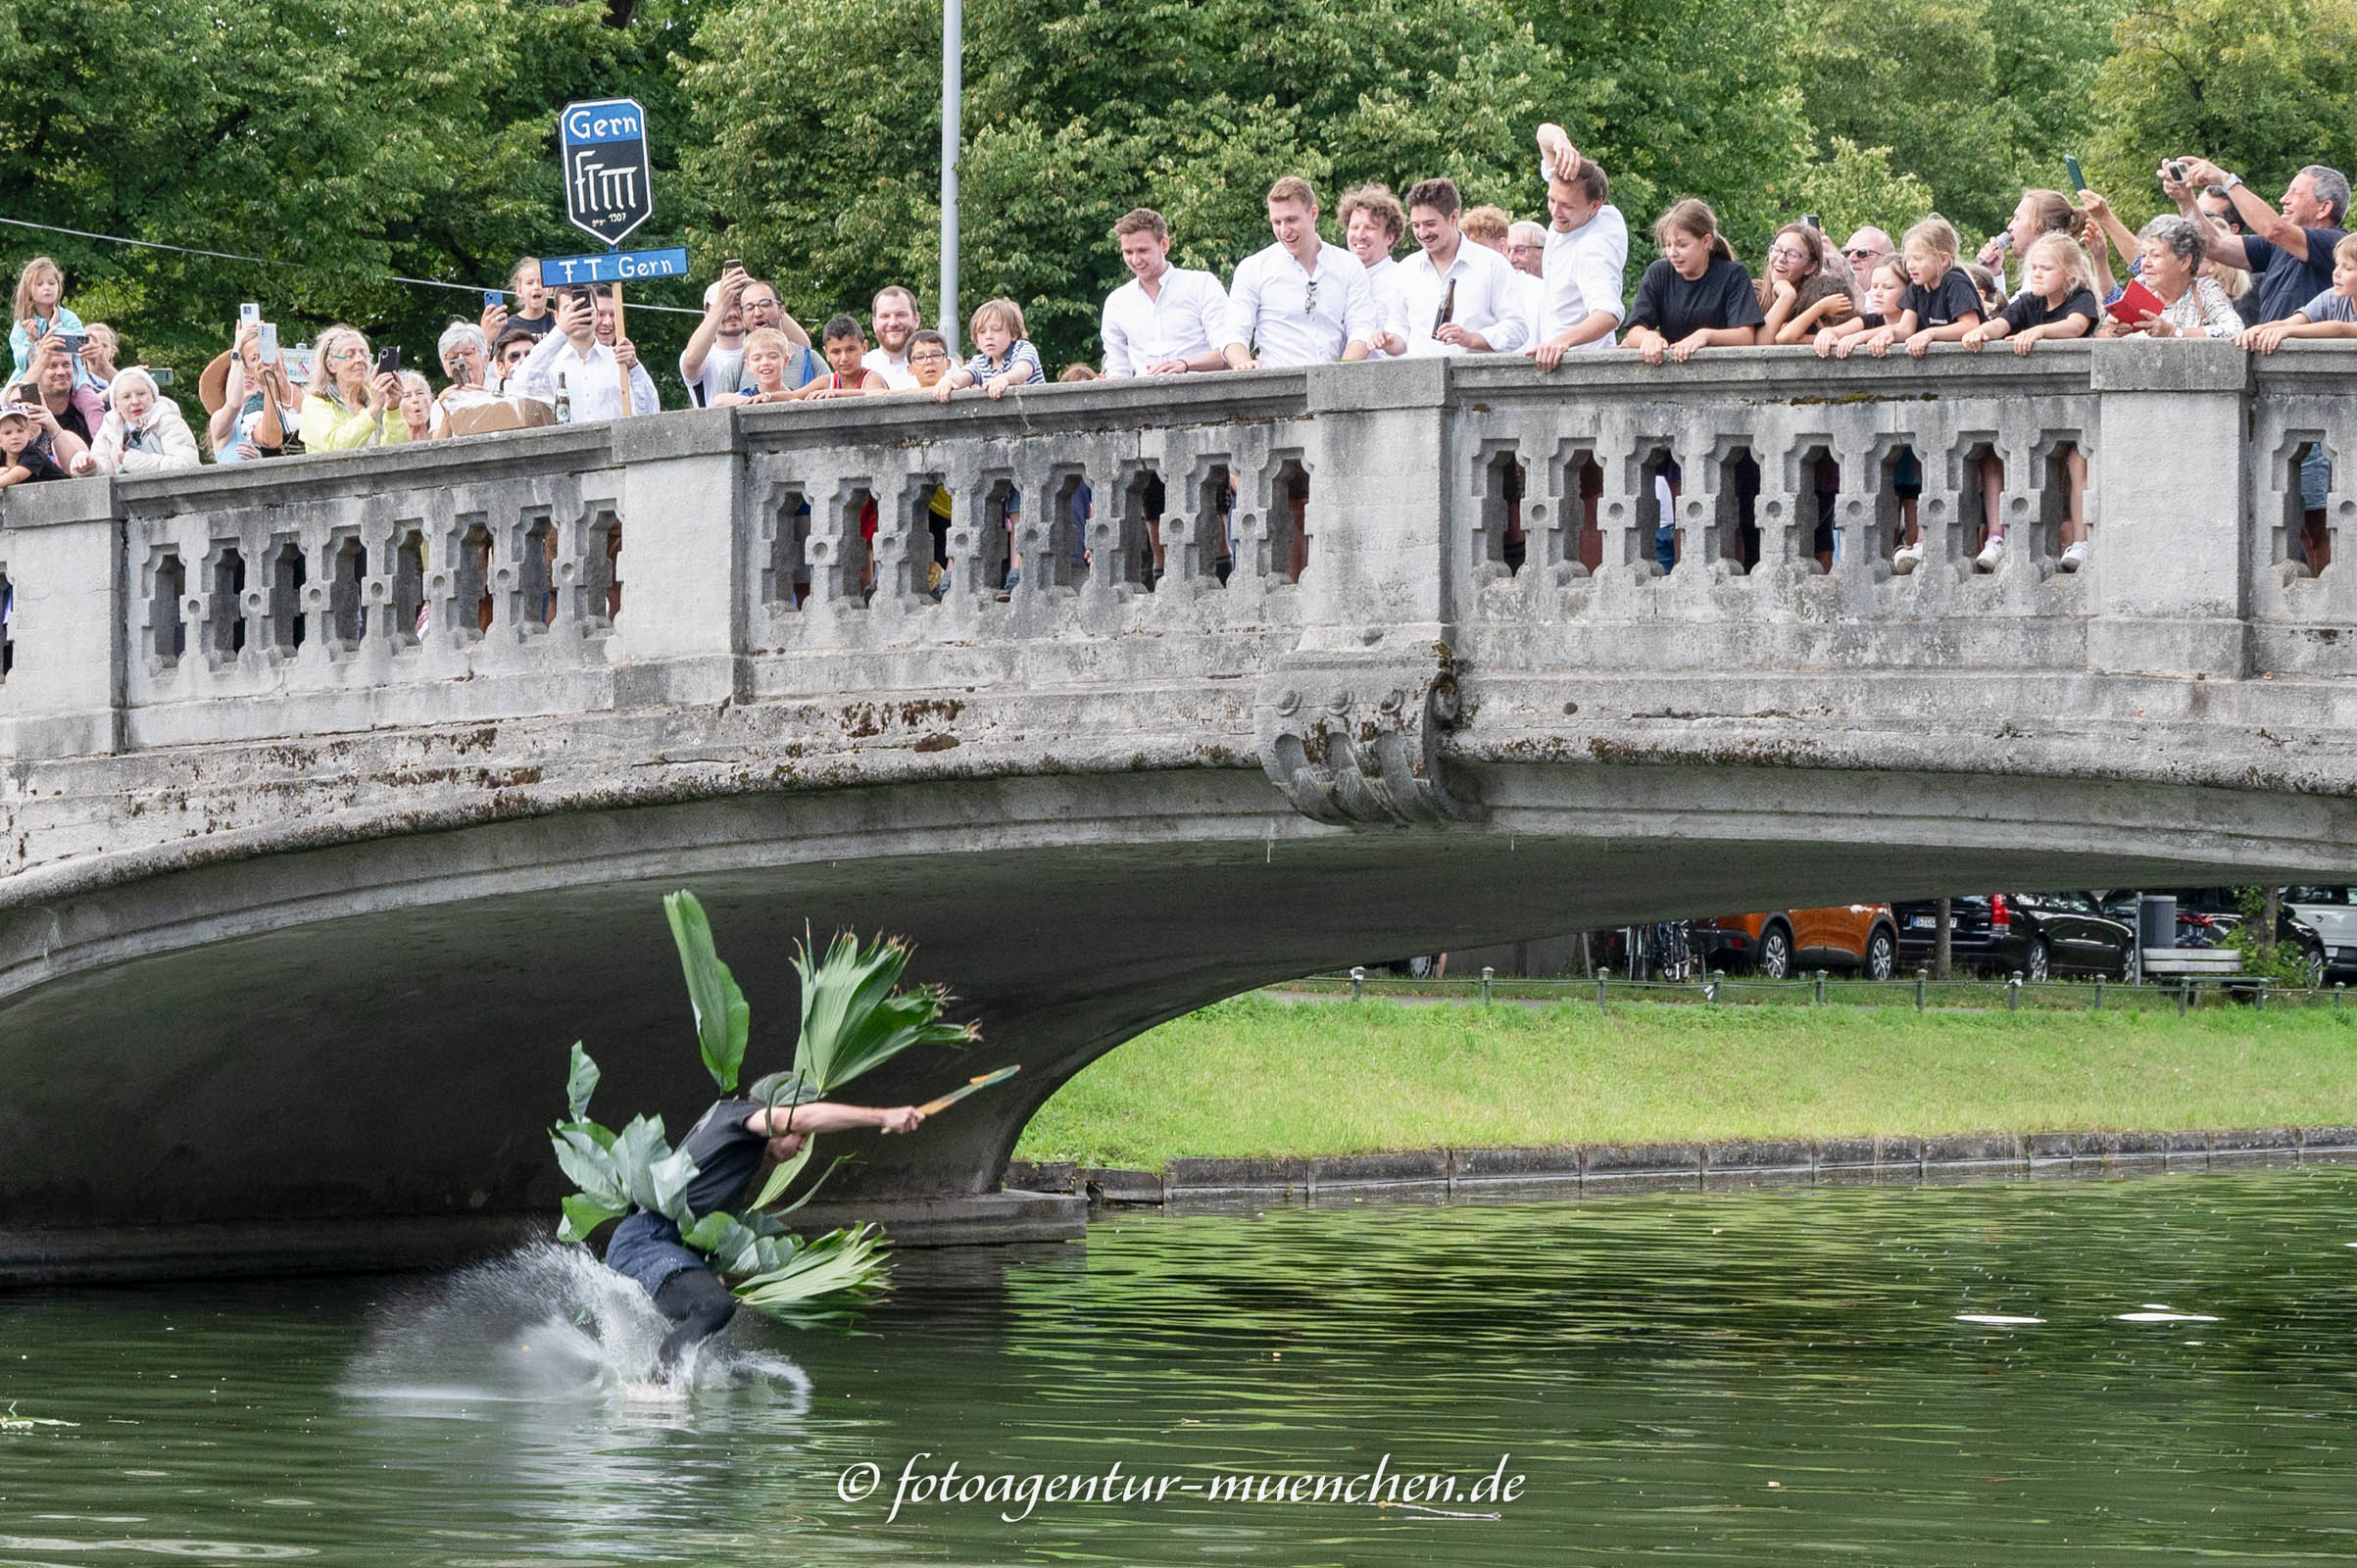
[[2014, 994]]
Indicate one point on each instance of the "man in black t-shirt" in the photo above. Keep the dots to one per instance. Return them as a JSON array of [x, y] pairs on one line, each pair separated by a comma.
[[2288, 253], [727, 1144]]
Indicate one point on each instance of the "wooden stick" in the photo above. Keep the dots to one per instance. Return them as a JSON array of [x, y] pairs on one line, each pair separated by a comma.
[[981, 1081], [618, 335]]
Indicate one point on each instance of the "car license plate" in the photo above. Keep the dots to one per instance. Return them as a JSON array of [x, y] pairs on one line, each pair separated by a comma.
[[1921, 922]]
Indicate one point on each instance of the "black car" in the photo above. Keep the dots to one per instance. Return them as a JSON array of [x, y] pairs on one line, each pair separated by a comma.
[[2039, 934]]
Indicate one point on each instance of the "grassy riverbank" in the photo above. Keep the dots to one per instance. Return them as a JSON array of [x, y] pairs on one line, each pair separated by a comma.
[[1253, 1076]]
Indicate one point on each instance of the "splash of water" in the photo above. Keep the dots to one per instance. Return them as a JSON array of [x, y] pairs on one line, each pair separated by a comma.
[[547, 1323]]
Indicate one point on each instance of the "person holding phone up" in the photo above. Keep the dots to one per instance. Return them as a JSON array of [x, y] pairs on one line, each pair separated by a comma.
[[257, 411], [351, 402], [592, 371]]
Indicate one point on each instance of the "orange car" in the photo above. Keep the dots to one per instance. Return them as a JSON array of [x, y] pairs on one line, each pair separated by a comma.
[[1783, 943]]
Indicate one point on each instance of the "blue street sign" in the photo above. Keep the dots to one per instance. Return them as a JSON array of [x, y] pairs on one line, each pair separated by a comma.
[[609, 180], [613, 267]]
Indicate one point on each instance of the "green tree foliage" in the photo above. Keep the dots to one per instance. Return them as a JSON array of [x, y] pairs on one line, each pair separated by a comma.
[[2261, 87], [821, 136], [1974, 99], [349, 138], [1677, 99]]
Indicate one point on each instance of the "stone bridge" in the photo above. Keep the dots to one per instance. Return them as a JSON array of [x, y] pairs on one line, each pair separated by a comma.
[[337, 804]]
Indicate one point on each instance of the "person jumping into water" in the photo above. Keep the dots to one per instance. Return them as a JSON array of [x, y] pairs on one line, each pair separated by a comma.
[[727, 1145]]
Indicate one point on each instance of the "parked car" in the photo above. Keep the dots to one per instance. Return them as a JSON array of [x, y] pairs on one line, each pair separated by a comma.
[[2208, 918], [2039, 934], [1781, 943], [2331, 913]]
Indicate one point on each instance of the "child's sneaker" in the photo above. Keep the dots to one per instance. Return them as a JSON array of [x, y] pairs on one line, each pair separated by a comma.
[[1906, 560], [2074, 557], [1991, 554]]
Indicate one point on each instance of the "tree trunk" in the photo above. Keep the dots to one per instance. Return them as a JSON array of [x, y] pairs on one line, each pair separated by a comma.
[[1944, 943], [2271, 909]]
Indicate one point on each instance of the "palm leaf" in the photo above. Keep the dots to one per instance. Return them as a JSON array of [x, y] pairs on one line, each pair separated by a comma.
[[724, 1019], [844, 1265], [853, 1021]]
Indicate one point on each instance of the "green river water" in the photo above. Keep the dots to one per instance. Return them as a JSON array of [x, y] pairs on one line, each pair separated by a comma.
[[1757, 1377]]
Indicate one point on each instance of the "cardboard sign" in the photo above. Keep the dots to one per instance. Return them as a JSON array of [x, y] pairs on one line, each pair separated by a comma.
[[609, 181]]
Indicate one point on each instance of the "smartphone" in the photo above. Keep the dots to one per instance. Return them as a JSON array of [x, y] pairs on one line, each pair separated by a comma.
[[2076, 175], [388, 362], [492, 296], [269, 344], [2176, 171], [248, 314], [160, 375], [1811, 218], [732, 264], [74, 341]]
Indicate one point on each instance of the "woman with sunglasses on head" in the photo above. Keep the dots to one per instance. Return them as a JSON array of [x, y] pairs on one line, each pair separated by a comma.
[[348, 404]]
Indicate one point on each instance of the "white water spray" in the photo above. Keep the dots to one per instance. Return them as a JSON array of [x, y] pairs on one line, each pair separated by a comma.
[[547, 1323]]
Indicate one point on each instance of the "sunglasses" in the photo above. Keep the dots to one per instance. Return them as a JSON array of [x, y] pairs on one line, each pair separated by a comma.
[[1860, 255], [1310, 298]]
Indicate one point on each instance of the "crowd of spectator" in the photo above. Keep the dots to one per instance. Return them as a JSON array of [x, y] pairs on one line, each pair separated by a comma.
[[2226, 263]]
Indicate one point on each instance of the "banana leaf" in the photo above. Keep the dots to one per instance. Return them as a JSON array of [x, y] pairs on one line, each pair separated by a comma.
[[580, 1083], [723, 1018], [583, 1214], [852, 1022], [591, 1164], [830, 1272]]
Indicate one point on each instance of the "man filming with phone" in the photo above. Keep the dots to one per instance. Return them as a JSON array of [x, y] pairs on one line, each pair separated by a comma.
[[591, 370]]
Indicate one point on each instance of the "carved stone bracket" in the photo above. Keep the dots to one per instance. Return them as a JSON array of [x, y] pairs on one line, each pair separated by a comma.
[[1356, 743]]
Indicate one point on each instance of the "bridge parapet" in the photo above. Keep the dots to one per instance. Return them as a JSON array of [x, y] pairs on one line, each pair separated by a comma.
[[475, 578]]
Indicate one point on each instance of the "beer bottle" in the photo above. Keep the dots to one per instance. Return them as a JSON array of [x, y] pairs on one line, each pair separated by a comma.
[[564, 401]]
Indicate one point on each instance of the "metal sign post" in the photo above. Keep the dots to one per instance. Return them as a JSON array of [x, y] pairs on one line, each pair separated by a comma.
[[609, 183]]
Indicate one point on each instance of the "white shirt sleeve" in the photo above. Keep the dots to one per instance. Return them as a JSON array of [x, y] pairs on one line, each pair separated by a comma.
[[644, 399], [1601, 270], [1361, 320], [536, 375], [1117, 361], [1211, 307], [1244, 306], [1509, 325]]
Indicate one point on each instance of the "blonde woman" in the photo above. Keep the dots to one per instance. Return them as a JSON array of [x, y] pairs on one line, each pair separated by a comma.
[[348, 404]]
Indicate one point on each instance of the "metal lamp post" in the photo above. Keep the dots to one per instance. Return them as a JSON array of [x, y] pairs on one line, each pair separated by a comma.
[[952, 113]]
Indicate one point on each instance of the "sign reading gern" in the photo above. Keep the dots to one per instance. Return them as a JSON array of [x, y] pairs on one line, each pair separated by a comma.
[[608, 188]]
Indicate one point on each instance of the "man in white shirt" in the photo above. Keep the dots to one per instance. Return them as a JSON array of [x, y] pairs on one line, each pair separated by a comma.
[[1587, 254], [1300, 301], [1372, 222], [592, 371], [1165, 320], [714, 360], [1462, 297], [1526, 254], [894, 316]]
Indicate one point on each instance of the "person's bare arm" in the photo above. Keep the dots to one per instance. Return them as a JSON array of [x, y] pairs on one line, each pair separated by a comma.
[[699, 342], [827, 1117], [1555, 151], [2257, 216], [1598, 324], [1954, 332]]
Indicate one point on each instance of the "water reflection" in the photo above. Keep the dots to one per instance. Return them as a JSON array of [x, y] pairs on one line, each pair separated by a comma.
[[2034, 1373]]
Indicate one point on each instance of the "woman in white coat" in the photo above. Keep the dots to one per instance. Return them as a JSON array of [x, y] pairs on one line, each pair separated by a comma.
[[143, 433]]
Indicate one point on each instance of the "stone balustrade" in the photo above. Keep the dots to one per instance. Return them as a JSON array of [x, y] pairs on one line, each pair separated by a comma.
[[1480, 504]]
